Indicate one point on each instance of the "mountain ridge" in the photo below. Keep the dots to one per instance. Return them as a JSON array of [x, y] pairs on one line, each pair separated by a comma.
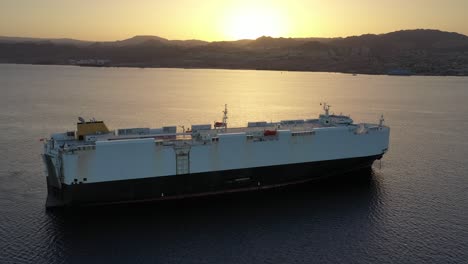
[[138, 39], [420, 51]]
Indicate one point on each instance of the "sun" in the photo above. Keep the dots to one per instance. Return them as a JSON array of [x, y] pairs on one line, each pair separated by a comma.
[[253, 23]]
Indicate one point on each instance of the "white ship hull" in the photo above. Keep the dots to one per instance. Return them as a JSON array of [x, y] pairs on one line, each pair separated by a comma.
[[111, 167]]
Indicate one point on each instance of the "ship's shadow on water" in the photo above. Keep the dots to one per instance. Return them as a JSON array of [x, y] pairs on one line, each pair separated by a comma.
[[170, 231]]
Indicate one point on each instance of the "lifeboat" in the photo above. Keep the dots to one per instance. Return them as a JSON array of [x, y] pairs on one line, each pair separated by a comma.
[[269, 133], [219, 124]]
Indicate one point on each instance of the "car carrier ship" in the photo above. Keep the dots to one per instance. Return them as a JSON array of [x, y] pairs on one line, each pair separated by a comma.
[[94, 165]]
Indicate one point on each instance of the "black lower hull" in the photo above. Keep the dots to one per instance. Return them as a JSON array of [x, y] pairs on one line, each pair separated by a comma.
[[200, 184]]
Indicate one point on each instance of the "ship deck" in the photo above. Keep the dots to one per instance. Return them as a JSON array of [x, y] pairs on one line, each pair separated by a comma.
[[204, 136]]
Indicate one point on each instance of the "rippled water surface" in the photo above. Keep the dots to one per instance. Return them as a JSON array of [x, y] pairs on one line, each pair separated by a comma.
[[411, 209]]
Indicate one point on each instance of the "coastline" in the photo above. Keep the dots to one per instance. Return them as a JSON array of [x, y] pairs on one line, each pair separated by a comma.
[[240, 69]]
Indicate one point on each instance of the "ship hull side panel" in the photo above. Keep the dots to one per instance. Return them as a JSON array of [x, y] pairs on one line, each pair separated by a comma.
[[324, 144], [139, 159], [200, 184]]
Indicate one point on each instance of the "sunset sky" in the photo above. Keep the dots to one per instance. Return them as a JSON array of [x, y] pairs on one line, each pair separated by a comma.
[[225, 19]]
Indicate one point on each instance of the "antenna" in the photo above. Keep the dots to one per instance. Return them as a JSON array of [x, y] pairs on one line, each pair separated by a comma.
[[326, 108], [225, 117], [381, 121]]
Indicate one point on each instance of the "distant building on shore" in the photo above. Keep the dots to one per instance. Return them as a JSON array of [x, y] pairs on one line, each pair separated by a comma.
[[90, 62], [399, 72]]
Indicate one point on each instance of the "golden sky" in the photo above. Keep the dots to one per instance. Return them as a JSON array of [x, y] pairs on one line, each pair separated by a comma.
[[225, 19]]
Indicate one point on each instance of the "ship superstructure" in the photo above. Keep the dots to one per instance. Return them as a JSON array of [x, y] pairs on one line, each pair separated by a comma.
[[95, 165]]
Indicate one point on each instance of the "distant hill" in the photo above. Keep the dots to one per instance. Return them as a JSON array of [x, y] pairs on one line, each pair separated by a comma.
[[65, 41], [136, 40], [420, 51]]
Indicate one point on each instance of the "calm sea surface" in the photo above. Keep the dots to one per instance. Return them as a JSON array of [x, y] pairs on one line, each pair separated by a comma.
[[412, 209]]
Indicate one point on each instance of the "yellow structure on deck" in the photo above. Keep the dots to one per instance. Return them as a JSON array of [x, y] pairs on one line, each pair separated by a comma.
[[91, 128]]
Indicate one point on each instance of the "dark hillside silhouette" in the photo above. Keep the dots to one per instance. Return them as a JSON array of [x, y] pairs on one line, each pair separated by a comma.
[[422, 52]]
